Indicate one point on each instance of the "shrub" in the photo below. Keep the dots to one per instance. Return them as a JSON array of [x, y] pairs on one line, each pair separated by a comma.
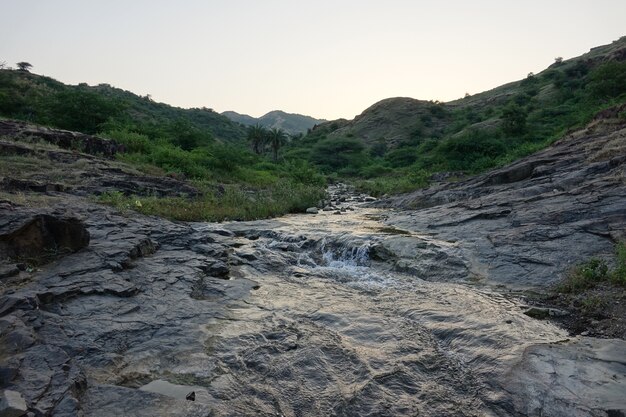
[[618, 275], [134, 142], [584, 276], [342, 153]]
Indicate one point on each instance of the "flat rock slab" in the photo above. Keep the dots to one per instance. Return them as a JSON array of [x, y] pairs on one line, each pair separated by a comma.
[[12, 404], [585, 377]]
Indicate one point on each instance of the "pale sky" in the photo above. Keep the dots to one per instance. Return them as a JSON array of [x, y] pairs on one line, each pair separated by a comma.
[[323, 58]]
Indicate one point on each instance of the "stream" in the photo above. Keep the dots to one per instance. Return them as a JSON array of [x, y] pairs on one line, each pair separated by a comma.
[[353, 311], [329, 328]]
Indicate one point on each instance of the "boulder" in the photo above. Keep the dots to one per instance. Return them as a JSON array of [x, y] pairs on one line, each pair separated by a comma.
[[312, 210], [43, 237], [12, 404]]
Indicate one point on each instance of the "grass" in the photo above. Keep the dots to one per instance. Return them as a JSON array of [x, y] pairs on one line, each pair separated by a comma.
[[595, 271], [235, 203], [393, 184]]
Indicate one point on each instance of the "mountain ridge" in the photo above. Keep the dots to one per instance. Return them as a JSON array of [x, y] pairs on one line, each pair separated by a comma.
[[292, 123], [393, 119]]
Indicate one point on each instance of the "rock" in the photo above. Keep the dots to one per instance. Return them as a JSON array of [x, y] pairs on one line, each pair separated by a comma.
[[558, 379], [61, 138], [222, 232], [191, 396], [12, 404], [43, 237], [541, 313], [538, 313], [510, 225], [8, 271], [311, 210], [379, 252], [216, 269]]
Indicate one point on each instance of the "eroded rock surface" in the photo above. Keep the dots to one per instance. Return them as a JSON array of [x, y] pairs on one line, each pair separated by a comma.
[[73, 324], [524, 225]]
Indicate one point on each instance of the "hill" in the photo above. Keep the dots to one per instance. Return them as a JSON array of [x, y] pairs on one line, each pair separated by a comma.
[[96, 109], [399, 144], [291, 123]]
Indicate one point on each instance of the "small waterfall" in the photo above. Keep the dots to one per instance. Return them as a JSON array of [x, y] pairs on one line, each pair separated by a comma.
[[344, 260], [345, 256]]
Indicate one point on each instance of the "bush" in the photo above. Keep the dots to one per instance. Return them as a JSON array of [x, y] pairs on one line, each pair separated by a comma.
[[584, 276], [618, 275], [335, 154], [134, 142], [589, 274], [472, 152], [609, 80]]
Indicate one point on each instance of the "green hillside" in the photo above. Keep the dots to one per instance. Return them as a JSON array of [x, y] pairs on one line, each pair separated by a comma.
[[399, 143], [95, 109], [396, 145]]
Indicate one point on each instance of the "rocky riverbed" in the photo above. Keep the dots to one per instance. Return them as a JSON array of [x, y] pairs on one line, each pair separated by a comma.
[[357, 310]]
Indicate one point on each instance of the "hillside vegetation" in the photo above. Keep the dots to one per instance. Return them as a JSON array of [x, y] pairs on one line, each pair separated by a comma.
[[398, 144], [196, 145]]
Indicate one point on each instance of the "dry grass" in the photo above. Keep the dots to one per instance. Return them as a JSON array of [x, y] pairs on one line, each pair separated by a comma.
[[616, 146], [31, 200]]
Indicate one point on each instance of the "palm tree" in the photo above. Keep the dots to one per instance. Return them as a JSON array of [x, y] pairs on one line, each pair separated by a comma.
[[276, 138], [257, 136]]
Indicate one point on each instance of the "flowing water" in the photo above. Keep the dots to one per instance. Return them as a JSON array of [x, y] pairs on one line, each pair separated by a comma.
[[331, 329]]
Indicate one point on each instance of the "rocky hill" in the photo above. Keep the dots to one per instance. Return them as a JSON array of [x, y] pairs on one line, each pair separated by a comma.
[[289, 122], [396, 120], [405, 120]]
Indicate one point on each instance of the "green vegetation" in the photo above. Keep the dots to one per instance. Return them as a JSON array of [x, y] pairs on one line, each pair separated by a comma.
[[394, 146], [595, 271], [43, 100], [467, 136], [249, 185], [197, 145], [233, 203]]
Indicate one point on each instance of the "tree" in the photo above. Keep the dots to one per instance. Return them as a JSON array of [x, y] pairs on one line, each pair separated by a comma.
[[24, 66], [257, 136], [3, 64], [341, 153], [276, 139], [514, 119]]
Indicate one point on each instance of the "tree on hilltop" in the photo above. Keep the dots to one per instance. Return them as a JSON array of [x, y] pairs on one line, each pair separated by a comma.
[[257, 136], [24, 66], [276, 138]]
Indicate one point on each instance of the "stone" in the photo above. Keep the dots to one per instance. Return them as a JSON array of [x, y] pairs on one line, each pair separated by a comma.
[[216, 269], [312, 210], [544, 312], [7, 271], [538, 313], [44, 237], [12, 404]]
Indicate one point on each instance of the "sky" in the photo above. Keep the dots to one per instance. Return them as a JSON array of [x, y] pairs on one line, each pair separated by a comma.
[[326, 59]]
